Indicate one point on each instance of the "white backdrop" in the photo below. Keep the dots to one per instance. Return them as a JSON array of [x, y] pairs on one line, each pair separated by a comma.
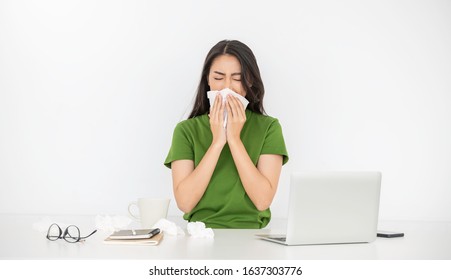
[[90, 92]]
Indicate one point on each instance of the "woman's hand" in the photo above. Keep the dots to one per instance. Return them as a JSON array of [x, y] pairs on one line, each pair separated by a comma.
[[235, 120], [217, 122]]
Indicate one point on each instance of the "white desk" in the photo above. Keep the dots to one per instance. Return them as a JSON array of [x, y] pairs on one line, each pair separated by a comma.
[[18, 240]]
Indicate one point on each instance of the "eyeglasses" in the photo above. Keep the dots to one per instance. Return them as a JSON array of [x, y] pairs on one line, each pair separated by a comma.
[[71, 234]]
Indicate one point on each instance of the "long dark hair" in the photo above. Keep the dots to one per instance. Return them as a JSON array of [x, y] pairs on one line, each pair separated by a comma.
[[250, 77]]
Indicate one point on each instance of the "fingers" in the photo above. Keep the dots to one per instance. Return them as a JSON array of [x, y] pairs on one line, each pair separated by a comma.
[[236, 118], [217, 110], [235, 107], [217, 121]]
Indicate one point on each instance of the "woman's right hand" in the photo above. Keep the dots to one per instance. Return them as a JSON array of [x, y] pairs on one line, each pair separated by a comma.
[[217, 122]]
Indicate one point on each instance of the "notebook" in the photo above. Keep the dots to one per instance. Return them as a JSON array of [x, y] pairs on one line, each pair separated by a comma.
[[331, 208], [154, 240]]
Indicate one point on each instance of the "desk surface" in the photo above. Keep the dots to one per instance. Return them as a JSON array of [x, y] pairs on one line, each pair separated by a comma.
[[18, 240]]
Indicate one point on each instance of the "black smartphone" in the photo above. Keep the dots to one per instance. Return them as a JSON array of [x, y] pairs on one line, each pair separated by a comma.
[[135, 234], [389, 234]]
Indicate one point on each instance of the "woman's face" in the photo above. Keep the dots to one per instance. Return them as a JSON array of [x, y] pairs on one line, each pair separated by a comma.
[[225, 72]]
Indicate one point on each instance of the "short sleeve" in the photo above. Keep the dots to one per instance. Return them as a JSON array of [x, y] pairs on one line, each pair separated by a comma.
[[274, 141], [181, 147]]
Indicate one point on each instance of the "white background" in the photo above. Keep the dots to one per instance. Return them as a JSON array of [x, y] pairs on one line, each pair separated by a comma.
[[90, 92]]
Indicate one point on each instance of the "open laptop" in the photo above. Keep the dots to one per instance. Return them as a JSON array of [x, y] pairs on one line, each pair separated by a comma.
[[331, 208]]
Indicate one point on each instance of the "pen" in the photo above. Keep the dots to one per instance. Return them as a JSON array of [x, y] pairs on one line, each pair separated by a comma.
[[155, 232]]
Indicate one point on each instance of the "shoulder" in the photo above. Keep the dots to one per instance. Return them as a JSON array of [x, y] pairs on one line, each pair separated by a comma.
[[261, 120], [193, 123]]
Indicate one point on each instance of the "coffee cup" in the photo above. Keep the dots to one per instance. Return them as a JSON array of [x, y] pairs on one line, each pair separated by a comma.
[[150, 210]]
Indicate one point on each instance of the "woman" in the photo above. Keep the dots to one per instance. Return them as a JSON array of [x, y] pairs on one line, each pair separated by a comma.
[[227, 176]]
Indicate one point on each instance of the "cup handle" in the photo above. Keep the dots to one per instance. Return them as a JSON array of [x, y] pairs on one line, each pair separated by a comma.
[[130, 205]]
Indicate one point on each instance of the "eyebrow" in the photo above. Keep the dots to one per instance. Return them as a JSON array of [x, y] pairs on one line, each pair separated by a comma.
[[220, 73]]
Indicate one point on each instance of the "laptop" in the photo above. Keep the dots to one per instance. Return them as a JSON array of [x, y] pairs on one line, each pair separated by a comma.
[[331, 208]]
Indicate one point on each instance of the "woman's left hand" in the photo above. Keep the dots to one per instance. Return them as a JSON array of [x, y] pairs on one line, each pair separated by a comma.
[[236, 117]]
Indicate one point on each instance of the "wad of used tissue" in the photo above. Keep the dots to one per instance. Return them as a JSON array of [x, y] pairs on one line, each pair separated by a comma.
[[195, 229], [168, 227], [198, 229]]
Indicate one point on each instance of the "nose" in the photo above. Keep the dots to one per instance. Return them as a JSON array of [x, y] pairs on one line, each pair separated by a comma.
[[227, 83]]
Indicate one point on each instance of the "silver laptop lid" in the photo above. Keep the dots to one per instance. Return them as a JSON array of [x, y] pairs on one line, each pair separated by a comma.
[[333, 207]]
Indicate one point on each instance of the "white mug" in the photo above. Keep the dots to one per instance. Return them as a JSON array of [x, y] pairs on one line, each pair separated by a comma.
[[150, 210]]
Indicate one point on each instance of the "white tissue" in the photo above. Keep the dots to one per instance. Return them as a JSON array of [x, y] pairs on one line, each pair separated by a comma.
[[212, 96], [169, 227], [198, 229], [111, 223]]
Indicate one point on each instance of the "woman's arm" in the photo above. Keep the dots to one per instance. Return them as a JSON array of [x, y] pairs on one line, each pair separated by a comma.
[[259, 182], [190, 183]]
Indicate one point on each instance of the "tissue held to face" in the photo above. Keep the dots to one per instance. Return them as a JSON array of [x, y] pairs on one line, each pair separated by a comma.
[[225, 72]]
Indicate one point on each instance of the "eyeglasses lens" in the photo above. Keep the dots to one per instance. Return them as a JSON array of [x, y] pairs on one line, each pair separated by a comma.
[[72, 234], [54, 232]]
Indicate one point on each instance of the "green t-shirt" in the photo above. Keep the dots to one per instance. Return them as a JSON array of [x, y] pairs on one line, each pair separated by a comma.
[[225, 203]]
